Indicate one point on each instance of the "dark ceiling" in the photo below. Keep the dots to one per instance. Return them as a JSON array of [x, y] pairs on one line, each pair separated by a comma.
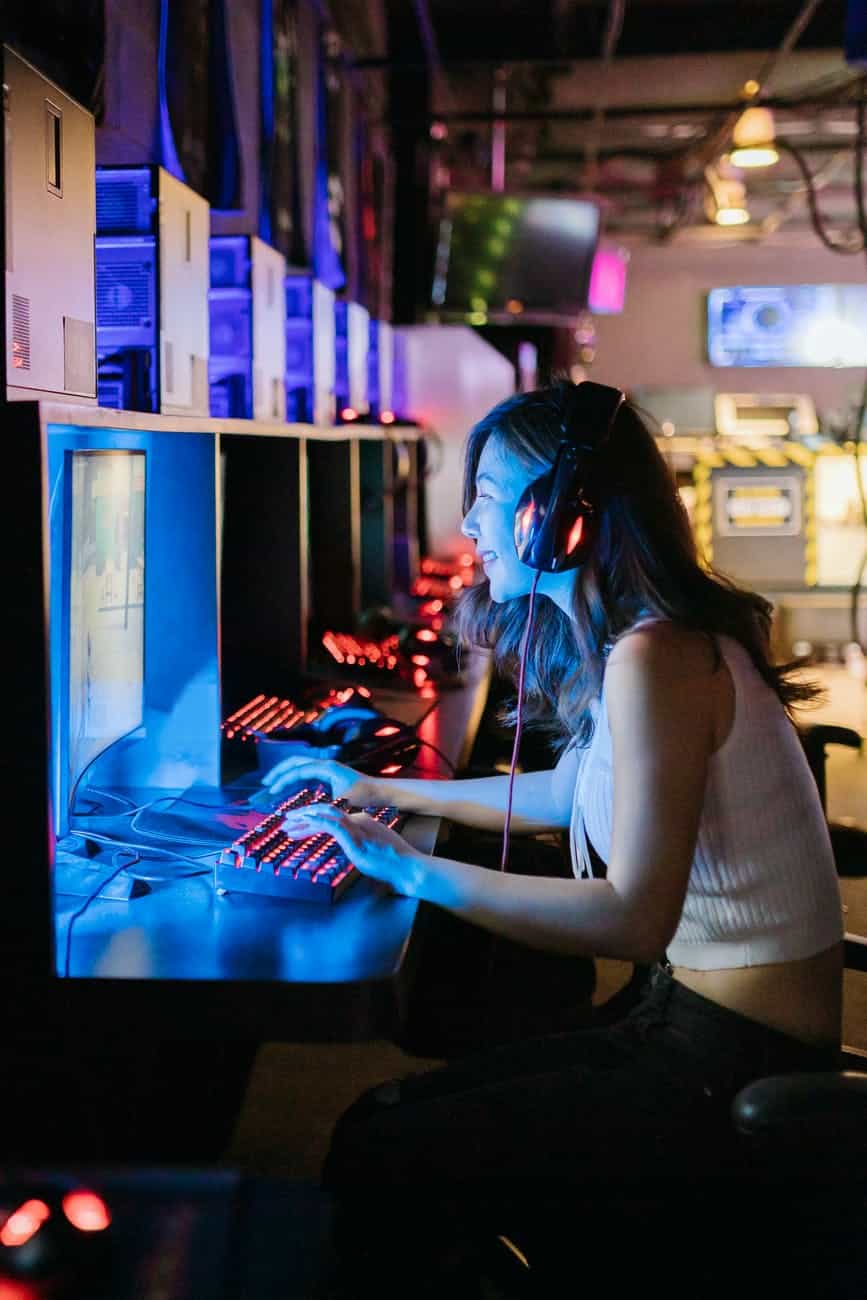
[[635, 102], [574, 29]]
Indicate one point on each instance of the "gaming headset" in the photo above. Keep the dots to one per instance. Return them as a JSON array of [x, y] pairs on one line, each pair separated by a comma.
[[557, 517]]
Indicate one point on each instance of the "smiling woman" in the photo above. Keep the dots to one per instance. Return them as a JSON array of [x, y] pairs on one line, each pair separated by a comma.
[[698, 842]]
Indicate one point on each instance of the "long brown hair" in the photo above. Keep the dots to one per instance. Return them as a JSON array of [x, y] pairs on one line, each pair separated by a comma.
[[644, 562]]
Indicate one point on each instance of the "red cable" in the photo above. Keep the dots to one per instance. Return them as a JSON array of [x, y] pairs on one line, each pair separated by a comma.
[[525, 645]]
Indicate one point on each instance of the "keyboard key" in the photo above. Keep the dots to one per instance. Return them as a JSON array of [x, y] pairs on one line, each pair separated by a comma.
[[265, 861]]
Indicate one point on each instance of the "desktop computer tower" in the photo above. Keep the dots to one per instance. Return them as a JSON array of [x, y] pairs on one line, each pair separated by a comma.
[[48, 169], [380, 367], [351, 346], [152, 276], [310, 350], [247, 306]]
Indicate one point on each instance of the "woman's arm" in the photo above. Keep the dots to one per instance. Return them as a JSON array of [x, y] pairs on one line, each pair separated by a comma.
[[541, 801], [659, 691]]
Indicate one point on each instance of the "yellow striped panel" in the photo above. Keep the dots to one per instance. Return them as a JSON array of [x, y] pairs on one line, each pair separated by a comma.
[[799, 455], [771, 457], [740, 456], [708, 460], [702, 514]]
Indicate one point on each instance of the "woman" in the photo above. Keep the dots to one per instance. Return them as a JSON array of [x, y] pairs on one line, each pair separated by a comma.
[[698, 838]]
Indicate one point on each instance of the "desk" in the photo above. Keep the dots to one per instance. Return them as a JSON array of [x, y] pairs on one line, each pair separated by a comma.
[[255, 967]]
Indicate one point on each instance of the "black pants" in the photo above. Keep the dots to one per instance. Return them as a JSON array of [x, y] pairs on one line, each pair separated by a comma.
[[555, 1126], [474, 991]]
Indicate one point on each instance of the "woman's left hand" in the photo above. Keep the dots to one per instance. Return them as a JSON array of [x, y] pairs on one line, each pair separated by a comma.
[[374, 849]]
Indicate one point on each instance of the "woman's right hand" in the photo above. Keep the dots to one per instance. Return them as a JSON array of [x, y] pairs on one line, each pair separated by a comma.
[[344, 782]]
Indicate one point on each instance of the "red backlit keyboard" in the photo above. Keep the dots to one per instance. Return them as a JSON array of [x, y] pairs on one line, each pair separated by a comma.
[[265, 714], [265, 861]]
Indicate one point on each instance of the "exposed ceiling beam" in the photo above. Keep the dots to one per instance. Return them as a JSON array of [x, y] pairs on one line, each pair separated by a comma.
[[613, 28], [586, 114]]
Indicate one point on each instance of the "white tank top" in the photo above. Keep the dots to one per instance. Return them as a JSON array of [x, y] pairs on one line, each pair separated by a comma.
[[763, 885]]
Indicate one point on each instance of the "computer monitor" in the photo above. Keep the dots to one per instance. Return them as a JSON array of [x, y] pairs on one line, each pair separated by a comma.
[[133, 634], [514, 258], [103, 686]]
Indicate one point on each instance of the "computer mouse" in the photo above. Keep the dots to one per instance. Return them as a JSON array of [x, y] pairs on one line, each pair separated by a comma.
[[344, 721], [366, 742], [55, 1233], [379, 740]]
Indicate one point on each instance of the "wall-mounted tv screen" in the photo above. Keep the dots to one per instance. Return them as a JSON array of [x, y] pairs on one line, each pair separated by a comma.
[[788, 325], [514, 259]]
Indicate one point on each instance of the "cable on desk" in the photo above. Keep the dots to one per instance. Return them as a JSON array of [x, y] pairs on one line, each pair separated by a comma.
[[87, 902], [438, 751], [130, 806], [143, 849]]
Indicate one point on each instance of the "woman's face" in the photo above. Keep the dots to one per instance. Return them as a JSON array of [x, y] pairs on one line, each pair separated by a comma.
[[500, 480]]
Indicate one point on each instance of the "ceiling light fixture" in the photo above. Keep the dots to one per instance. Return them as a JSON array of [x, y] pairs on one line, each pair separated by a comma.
[[754, 139], [726, 203]]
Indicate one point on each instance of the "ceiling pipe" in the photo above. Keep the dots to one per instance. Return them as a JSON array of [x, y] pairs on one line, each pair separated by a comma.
[[821, 179], [498, 133], [628, 110], [613, 29], [431, 49]]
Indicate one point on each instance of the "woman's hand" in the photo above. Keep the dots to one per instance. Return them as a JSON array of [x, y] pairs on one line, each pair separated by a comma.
[[344, 782], [374, 849]]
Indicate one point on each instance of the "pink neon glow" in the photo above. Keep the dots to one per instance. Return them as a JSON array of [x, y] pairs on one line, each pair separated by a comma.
[[607, 282]]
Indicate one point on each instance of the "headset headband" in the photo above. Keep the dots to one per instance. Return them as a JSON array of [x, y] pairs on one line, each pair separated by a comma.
[[591, 406]]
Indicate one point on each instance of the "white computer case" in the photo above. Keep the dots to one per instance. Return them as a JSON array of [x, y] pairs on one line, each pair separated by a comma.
[[50, 223]]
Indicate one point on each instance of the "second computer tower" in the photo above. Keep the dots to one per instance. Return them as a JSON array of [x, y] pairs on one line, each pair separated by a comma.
[[247, 365], [152, 280]]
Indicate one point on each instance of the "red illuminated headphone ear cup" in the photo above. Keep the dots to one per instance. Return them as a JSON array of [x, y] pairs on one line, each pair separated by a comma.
[[530, 514]]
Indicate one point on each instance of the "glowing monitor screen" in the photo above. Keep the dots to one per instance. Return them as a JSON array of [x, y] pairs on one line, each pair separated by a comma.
[[788, 325], [514, 259], [106, 604]]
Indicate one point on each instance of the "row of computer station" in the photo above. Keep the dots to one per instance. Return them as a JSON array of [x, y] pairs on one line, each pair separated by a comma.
[[221, 514], [218, 558]]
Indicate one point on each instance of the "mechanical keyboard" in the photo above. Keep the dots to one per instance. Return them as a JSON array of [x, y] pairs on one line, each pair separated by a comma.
[[264, 715], [265, 861]]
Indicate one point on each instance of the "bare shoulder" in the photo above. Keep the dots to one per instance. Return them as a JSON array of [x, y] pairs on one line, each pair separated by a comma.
[[664, 651], [663, 677]]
